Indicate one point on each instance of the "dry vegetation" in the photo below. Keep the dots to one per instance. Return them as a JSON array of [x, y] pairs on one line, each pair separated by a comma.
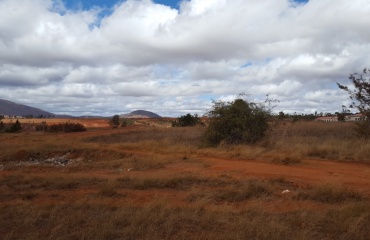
[[145, 182]]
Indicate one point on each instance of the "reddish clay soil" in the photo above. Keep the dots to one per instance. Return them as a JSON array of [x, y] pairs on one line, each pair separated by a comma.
[[356, 175], [307, 173]]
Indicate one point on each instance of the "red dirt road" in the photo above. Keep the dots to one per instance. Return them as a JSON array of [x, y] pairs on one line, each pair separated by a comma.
[[356, 175]]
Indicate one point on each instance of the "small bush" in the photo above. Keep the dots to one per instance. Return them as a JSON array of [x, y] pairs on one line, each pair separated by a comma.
[[127, 122], [2, 126], [114, 121], [236, 122], [61, 127], [14, 128], [187, 120], [41, 127]]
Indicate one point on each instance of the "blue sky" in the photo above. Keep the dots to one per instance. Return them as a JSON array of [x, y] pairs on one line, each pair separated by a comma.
[[87, 4], [146, 55]]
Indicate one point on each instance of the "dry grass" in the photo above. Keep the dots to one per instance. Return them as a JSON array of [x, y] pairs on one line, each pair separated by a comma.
[[86, 220], [96, 197], [333, 141], [330, 193], [101, 214], [176, 182]]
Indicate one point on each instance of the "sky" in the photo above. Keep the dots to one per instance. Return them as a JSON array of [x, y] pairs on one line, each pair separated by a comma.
[[106, 57]]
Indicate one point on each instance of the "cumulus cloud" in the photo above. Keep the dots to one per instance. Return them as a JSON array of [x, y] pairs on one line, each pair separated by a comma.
[[149, 56]]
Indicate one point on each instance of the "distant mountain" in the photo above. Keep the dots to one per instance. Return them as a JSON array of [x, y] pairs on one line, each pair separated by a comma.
[[15, 109], [140, 114]]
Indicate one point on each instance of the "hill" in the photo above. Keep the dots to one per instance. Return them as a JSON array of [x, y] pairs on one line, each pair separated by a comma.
[[140, 114], [15, 109]]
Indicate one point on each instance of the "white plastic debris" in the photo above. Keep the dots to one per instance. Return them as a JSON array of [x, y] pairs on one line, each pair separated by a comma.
[[285, 191]]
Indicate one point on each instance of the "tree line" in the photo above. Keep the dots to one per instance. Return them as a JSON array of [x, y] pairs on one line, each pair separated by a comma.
[[240, 120]]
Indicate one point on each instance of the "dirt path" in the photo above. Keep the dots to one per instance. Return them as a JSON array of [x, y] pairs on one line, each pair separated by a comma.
[[308, 172]]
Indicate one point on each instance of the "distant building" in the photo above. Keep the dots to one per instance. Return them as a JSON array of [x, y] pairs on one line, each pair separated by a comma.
[[355, 117], [327, 119], [11, 116], [349, 118]]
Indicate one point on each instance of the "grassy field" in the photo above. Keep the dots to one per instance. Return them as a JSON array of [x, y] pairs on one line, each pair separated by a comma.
[[148, 181]]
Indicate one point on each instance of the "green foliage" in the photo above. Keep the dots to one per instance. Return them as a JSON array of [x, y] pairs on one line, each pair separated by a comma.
[[360, 97], [61, 127], [42, 127], [67, 127], [114, 121], [186, 121], [236, 122], [281, 115], [14, 128], [341, 117], [298, 117], [127, 122]]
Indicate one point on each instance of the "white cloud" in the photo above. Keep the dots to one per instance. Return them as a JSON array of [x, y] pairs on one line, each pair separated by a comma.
[[149, 56]]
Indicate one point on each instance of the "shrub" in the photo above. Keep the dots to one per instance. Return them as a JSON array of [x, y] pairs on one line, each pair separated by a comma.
[[15, 127], [61, 127], [67, 127], [236, 122], [2, 126], [42, 127], [114, 121], [186, 121], [127, 122]]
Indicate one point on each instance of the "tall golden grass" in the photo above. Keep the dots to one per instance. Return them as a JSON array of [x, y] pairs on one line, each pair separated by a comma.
[[322, 140]]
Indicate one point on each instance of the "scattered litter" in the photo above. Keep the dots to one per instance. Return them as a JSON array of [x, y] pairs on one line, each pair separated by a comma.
[[130, 169], [62, 160], [285, 191]]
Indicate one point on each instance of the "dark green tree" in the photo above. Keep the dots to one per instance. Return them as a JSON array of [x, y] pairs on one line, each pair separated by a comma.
[[341, 117], [2, 126], [236, 122], [281, 115], [15, 127], [187, 120], [360, 96], [114, 121]]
